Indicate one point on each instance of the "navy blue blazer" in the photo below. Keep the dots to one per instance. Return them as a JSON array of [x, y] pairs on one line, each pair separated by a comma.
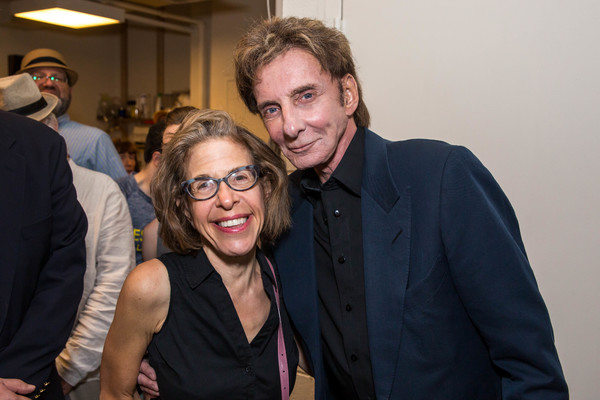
[[453, 308], [42, 243]]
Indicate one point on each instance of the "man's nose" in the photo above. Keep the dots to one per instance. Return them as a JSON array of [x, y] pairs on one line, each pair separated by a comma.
[[292, 123]]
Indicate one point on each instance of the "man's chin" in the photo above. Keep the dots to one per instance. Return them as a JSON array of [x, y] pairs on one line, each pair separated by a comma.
[[302, 162]]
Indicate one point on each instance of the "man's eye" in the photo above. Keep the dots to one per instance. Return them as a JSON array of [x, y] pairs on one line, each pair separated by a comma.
[[307, 96], [269, 112]]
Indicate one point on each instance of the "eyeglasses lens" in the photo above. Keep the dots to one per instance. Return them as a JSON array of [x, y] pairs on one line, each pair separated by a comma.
[[239, 180], [41, 78]]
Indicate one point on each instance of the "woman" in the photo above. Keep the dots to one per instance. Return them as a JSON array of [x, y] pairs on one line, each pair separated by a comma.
[[208, 312], [128, 154]]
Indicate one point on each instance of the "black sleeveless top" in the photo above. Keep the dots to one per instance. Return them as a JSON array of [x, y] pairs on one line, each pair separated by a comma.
[[202, 352]]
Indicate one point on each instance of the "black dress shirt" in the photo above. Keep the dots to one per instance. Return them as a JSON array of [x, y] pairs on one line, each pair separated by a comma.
[[340, 274], [202, 351]]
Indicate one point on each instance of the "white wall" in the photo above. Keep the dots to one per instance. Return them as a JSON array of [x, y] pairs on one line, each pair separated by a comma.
[[518, 82], [228, 24]]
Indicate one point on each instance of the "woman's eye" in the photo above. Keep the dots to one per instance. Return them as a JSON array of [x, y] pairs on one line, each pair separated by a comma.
[[202, 185], [240, 178]]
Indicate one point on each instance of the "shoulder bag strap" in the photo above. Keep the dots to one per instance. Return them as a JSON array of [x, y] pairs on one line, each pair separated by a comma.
[[281, 353]]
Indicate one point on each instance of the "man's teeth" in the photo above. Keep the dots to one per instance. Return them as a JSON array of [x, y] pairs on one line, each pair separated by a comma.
[[232, 222]]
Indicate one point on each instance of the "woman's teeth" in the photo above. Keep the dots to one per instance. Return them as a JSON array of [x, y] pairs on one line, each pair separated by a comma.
[[232, 222]]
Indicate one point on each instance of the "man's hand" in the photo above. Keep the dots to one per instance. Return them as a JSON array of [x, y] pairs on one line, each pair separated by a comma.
[[10, 389], [147, 380], [66, 388]]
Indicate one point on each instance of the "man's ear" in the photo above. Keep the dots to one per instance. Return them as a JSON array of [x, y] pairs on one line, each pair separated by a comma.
[[349, 93], [156, 156]]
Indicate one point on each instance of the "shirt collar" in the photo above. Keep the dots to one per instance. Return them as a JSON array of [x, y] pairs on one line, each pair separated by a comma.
[[349, 170], [198, 272], [63, 119]]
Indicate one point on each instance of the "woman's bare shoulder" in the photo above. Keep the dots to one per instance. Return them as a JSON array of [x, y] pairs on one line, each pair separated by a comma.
[[147, 287]]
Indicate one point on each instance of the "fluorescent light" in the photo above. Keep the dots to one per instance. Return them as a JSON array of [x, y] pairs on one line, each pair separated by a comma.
[[70, 13]]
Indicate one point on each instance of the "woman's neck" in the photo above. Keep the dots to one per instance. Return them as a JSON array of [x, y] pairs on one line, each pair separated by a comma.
[[238, 273]]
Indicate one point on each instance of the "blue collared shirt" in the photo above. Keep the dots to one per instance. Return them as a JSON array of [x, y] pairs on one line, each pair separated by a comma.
[[90, 147]]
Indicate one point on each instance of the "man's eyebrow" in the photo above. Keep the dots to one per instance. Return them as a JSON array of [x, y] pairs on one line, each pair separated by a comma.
[[301, 89], [293, 93], [266, 103]]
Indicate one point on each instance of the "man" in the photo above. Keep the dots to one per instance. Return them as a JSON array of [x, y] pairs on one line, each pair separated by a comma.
[[136, 188], [42, 246], [404, 271], [89, 147]]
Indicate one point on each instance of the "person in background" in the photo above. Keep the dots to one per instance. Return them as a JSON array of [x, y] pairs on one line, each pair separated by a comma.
[[41, 242], [88, 146], [209, 313], [173, 120], [153, 246], [136, 187], [128, 153]]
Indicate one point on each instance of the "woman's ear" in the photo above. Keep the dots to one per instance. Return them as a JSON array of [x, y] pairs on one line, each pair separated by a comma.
[[185, 208], [349, 93], [266, 189]]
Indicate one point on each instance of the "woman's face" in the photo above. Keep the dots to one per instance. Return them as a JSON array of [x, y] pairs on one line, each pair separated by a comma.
[[128, 160], [231, 221]]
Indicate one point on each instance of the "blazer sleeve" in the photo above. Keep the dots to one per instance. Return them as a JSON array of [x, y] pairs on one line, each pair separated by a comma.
[[48, 318], [495, 282]]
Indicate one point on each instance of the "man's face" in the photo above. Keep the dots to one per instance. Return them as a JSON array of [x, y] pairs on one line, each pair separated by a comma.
[[58, 87], [304, 111]]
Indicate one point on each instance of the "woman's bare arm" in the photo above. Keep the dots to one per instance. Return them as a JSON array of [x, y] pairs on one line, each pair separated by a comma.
[[150, 242], [141, 310]]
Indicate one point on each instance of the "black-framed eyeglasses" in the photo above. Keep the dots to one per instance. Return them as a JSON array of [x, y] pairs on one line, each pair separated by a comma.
[[240, 179], [41, 78]]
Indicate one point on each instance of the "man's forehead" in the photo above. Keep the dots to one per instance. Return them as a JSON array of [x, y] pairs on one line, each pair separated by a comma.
[[295, 69], [52, 70]]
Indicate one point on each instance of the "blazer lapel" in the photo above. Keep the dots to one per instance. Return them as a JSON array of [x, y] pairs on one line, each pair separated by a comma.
[[386, 217], [12, 176]]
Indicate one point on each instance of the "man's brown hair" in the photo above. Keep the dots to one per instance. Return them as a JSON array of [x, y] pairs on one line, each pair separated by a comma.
[[269, 39]]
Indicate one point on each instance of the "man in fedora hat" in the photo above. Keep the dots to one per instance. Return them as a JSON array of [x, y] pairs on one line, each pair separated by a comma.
[[41, 242], [89, 147]]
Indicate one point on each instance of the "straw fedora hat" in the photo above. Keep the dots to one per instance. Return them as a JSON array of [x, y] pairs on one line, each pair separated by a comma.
[[19, 94], [47, 58]]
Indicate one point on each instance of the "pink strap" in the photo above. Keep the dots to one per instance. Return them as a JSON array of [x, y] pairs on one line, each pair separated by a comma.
[[281, 353]]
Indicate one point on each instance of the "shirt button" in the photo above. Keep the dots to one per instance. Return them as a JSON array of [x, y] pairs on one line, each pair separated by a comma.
[[337, 213], [341, 259], [348, 307], [353, 357], [248, 369]]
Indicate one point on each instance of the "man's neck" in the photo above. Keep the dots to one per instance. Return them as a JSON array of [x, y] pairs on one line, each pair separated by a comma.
[[143, 179]]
